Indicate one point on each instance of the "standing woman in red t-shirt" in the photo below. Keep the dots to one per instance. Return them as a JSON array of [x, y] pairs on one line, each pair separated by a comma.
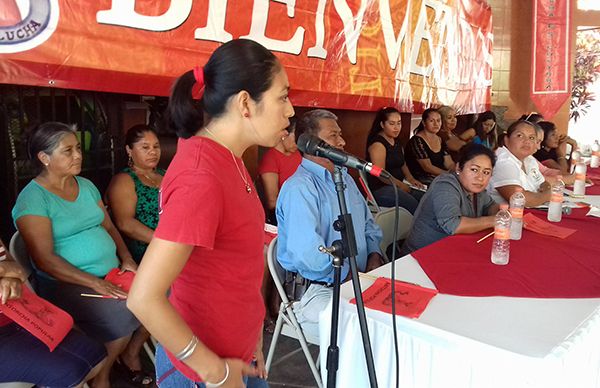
[[208, 246]]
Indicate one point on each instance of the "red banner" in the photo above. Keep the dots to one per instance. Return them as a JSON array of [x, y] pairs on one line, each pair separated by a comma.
[[550, 56], [348, 54]]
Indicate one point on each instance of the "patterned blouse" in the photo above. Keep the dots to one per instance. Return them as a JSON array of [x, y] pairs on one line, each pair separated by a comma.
[[146, 211], [417, 148]]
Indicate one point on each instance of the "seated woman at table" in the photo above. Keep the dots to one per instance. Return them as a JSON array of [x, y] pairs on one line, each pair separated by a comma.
[[384, 150], [485, 127], [456, 202], [73, 242], [517, 168], [23, 357], [276, 166], [426, 153], [453, 141], [553, 149]]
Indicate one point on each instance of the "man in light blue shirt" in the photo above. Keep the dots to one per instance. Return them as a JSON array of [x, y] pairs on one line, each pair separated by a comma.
[[307, 206]]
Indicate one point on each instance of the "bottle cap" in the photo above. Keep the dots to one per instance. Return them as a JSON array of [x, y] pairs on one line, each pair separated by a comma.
[[504, 206]]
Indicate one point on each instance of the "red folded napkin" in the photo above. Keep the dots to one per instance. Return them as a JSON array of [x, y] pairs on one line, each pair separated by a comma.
[[411, 299], [537, 225], [123, 280], [41, 318]]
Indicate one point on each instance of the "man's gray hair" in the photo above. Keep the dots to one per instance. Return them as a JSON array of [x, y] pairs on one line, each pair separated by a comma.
[[309, 121]]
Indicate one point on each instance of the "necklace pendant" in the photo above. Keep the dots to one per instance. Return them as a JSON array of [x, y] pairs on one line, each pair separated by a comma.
[[248, 188]]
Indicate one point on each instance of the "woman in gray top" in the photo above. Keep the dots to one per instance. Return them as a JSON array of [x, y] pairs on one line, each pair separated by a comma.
[[456, 202]]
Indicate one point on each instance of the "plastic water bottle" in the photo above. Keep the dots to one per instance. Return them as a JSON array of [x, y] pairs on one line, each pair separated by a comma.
[[517, 204], [575, 158], [579, 185], [501, 244], [595, 162], [556, 200]]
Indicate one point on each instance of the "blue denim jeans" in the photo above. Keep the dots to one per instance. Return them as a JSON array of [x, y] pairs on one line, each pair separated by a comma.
[[169, 377]]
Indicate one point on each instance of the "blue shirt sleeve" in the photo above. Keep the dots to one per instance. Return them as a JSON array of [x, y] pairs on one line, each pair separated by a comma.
[[300, 232]]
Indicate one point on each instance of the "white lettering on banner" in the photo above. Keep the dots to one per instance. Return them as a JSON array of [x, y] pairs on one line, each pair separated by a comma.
[[421, 34], [215, 23], [260, 14], [446, 49], [392, 45], [352, 25], [318, 51], [122, 13], [467, 39]]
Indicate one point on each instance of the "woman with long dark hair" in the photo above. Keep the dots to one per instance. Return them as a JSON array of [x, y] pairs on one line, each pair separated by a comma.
[[485, 127], [384, 150], [426, 153], [208, 246]]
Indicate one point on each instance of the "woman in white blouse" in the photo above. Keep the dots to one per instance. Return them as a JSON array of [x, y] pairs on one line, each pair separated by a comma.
[[517, 168]]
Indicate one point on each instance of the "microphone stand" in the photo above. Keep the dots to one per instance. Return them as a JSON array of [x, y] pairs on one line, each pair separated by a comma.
[[346, 248]]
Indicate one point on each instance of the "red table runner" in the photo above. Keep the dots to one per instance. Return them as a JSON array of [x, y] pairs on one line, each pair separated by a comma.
[[594, 175], [540, 266]]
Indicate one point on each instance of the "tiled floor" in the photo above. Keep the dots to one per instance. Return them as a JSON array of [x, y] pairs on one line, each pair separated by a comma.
[[291, 371]]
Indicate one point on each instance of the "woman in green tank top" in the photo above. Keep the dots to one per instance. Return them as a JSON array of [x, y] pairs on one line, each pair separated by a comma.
[[132, 195], [132, 198]]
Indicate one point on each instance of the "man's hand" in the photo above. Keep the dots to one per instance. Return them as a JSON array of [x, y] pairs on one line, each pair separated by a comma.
[[374, 260]]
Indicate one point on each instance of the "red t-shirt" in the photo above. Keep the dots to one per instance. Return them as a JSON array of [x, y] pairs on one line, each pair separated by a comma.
[[284, 165], [204, 203]]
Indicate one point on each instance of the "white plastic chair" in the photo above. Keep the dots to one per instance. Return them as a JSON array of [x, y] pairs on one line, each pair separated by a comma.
[[287, 324], [18, 250], [371, 202], [385, 219]]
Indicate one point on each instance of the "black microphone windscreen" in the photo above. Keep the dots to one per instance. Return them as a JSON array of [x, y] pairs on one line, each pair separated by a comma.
[[308, 143]]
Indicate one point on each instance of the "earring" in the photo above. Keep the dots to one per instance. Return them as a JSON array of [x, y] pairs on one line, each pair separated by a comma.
[[130, 161], [246, 114]]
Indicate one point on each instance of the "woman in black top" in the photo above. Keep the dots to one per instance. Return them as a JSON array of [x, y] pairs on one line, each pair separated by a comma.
[[426, 154], [385, 151], [552, 152]]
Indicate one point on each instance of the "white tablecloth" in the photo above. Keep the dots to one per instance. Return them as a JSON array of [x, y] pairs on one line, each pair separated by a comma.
[[478, 342]]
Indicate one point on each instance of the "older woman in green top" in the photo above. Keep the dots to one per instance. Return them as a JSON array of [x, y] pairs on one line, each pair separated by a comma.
[[132, 195], [73, 242]]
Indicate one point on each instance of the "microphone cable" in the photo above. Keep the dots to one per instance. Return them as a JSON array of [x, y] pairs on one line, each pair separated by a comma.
[[393, 280]]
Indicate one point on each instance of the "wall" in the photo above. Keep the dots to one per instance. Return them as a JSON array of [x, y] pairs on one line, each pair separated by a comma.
[[512, 59]]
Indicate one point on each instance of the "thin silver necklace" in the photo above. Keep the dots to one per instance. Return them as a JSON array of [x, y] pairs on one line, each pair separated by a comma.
[[152, 181], [246, 183]]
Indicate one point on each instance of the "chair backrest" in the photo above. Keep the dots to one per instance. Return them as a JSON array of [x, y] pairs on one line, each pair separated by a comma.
[[385, 219], [276, 270], [362, 178], [18, 250]]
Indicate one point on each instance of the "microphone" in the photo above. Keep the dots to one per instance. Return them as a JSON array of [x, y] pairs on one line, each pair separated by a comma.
[[313, 145]]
